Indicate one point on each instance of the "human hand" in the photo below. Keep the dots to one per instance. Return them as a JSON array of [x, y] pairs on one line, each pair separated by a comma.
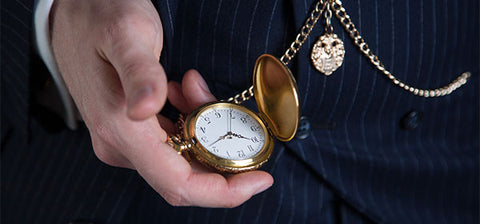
[[107, 53]]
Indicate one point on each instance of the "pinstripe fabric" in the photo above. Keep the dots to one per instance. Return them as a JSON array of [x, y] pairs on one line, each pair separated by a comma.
[[365, 169], [47, 177], [61, 182], [15, 58]]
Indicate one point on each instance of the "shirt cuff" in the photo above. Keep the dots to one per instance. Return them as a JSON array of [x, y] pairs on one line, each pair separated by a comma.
[[43, 42]]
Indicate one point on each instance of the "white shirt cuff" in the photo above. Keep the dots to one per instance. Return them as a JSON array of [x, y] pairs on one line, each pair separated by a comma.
[[43, 41]]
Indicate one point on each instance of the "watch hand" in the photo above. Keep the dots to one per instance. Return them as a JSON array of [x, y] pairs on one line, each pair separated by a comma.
[[230, 121], [220, 138], [240, 136]]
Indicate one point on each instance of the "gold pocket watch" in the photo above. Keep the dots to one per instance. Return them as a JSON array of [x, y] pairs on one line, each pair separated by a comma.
[[231, 138]]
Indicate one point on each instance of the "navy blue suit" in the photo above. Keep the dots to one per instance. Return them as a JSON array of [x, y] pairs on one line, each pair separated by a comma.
[[370, 152]]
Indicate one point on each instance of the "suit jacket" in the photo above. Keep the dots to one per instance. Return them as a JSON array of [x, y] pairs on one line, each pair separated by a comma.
[[369, 152]]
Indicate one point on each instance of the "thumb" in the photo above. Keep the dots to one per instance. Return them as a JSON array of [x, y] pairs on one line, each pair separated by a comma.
[[195, 90], [134, 53]]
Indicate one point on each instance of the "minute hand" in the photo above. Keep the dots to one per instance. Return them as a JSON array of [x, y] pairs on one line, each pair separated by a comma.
[[229, 122]]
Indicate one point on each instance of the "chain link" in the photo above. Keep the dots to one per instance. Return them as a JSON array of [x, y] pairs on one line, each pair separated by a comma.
[[341, 14], [242, 97], [291, 51], [346, 22], [304, 33], [328, 17]]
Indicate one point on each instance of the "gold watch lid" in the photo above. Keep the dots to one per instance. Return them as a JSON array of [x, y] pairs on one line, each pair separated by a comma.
[[276, 93]]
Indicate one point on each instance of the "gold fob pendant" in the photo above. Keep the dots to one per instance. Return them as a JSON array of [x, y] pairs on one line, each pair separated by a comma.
[[327, 53], [231, 138]]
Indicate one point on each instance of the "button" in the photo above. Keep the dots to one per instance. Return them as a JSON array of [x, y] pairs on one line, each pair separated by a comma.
[[304, 127], [411, 120]]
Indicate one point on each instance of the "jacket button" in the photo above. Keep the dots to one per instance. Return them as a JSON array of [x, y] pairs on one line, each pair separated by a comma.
[[411, 120], [304, 127]]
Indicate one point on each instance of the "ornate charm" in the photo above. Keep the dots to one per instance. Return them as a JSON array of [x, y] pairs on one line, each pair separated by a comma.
[[327, 53]]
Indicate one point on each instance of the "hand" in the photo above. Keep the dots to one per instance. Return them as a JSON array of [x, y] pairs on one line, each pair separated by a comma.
[[108, 53], [220, 138], [240, 136], [229, 123]]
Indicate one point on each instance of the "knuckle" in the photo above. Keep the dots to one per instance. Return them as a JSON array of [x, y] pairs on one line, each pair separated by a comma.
[[139, 72], [132, 76], [133, 69], [116, 27], [126, 23]]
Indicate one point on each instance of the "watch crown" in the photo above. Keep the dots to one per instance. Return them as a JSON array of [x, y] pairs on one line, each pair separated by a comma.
[[178, 144]]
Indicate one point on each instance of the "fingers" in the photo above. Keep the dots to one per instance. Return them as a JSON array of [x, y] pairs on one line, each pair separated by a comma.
[[176, 97], [192, 93], [166, 124], [133, 47], [144, 83], [196, 90], [213, 190], [179, 185]]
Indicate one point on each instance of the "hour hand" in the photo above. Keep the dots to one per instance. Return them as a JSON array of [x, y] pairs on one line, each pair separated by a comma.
[[220, 138], [239, 136]]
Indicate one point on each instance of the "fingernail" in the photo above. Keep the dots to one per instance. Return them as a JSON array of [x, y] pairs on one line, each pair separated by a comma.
[[262, 189], [139, 94], [204, 85]]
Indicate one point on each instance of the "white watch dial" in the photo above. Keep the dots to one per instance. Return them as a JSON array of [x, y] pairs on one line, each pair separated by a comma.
[[229, 133]]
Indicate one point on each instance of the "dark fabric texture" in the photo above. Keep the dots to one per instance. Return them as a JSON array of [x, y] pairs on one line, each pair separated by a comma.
[[374, 153], [48, 175]]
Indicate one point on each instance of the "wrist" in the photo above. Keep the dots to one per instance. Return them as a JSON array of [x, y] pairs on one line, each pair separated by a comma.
[[42, 21]]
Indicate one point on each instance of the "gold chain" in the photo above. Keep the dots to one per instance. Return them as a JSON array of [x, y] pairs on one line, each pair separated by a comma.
[[304, 33], [241, 97], [328, 18], [291, 51], [360, 43], [346, 22]]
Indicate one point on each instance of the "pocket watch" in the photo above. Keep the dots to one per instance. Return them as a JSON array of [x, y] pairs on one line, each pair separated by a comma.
[[232, 138]]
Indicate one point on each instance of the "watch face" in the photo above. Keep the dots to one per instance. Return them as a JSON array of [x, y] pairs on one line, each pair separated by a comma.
[[230, 133]]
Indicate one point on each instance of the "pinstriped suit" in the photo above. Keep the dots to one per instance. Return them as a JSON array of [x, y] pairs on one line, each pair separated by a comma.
[[362, 169]]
